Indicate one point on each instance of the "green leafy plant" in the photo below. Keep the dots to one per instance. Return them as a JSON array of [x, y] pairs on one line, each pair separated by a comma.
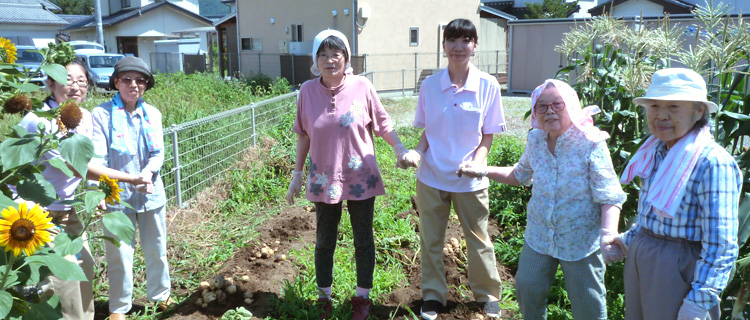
[[21, 180]]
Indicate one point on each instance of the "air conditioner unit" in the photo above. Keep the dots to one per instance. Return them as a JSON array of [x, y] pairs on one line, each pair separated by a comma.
[[283, 46]]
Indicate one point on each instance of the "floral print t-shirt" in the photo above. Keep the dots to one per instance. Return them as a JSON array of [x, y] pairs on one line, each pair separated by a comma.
[[340, 122], [564, 213]]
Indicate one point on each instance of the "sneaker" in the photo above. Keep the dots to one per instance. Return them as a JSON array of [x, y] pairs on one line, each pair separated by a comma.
[[492, 309], [326, 308], [430, 309], [362, 307]]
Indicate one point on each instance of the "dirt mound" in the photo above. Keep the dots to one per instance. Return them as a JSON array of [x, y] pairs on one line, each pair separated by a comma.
[[294, 228]]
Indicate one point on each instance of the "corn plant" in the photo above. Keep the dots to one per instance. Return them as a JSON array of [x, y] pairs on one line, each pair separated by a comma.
[[612, 63]]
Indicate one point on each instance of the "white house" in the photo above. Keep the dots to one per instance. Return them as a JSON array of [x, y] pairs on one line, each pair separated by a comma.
[[132, 26], [30, 20], [652, 8]]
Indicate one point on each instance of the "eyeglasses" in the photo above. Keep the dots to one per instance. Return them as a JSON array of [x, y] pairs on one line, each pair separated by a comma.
[[141, 82], [82, 83], [542, 108], [333, 56]]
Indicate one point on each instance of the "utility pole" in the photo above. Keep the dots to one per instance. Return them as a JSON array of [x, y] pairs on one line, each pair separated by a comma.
[[99, 30]]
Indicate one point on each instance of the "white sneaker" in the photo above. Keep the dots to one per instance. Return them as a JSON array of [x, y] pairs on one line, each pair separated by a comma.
[[492, 309]]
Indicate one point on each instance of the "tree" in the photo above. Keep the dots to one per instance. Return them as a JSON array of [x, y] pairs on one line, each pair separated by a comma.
[[550, 9], [85, 7]]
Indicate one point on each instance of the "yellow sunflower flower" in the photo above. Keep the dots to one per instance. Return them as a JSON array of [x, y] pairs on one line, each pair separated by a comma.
[[24, 230], [110, 189], [7, 51]]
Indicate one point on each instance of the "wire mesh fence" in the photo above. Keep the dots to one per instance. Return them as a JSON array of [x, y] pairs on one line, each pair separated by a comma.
[[198, 152]]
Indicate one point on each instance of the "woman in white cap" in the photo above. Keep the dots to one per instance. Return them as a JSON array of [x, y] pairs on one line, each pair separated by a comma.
[[337, 114], [681, 249], [565, 152], [128, 137]]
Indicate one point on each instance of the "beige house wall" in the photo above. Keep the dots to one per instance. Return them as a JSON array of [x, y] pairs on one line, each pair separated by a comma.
[[383, 37]]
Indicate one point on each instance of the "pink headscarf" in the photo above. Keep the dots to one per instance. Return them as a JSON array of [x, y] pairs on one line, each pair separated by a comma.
[[581, 117]]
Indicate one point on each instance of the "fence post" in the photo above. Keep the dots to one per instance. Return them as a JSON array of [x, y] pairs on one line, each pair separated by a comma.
[[252, 113], [403, 80], [176, 159], [259, 70], [416, 66], [497, 61], [294, 72]]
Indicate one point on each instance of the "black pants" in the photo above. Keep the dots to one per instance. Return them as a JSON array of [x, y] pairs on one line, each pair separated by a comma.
[[328, 218]]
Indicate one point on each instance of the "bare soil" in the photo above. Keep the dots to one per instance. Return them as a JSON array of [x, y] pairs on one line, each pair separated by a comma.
[[294, 228]]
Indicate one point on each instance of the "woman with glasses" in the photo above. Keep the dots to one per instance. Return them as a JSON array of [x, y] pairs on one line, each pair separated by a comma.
[[575, 204], [76, 297], [128, 137]]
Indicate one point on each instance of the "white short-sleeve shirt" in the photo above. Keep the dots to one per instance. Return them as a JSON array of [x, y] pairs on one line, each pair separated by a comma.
[[454, 120]]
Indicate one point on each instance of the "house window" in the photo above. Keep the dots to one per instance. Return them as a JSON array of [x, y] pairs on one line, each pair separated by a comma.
[[297, 33], [125, 3], [252, 44], [414, 36]]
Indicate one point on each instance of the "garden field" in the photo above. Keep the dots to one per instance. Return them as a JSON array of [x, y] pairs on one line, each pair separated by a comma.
[[226, 227]]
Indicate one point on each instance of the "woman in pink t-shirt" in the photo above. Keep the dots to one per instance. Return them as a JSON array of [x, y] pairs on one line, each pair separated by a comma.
[[337, 114]]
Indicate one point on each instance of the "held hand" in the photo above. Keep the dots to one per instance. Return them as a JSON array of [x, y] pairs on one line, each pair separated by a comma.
[[612, 246], [147, 186], [101, 206], [691, 311], [472, 170], [295, 186], [410, 158]]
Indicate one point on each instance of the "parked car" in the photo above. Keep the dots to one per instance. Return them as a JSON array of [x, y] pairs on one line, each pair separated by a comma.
[[101, 66], [82, 47], [30, 58]]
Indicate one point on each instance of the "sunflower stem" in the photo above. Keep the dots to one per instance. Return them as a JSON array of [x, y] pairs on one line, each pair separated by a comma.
[[8, 267]]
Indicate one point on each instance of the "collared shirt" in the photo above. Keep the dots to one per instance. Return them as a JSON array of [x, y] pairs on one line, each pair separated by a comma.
[[65, 186], [707, 214], [340, 122], [454, 120], [134, 164], [564, 212]]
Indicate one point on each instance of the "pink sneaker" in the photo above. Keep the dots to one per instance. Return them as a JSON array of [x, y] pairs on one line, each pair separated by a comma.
[[325, 307], [362, 308]]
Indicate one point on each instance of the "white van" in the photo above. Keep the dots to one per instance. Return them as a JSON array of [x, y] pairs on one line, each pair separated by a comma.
[[81, 47], [101, 66]]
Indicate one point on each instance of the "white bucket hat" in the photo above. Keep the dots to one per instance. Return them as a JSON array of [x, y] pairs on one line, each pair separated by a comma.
[[677, 84], [316, 44]]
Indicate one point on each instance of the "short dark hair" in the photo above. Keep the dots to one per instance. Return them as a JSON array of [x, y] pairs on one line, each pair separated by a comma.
[[333, 43], [78, 61], [460, 28], [703, 121]]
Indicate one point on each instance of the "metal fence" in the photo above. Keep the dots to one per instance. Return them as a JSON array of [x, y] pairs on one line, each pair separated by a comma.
[[170, 62], [199, 152]]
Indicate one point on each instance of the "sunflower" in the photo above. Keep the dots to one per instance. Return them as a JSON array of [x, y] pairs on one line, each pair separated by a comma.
[[110, 189], [24, 229], [17, 104], [7, 51], [70, 114]]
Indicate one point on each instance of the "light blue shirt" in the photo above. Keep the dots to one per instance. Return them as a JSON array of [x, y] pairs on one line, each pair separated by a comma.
[[135, 164]]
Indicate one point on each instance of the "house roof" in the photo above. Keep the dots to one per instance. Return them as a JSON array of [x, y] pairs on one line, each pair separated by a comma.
[[73, 18], [125, 15], [13, 11], [670, 6], [225, 19], [496, 12], [44, 3]]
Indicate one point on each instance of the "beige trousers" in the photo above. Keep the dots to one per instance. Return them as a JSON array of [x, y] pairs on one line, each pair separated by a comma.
[[472, 209], [76, 297]]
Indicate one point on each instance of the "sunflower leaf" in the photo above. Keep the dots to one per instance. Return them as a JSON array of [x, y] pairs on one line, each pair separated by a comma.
[[18, 151], [65, 246], [93, 198], [56, 71], [6, 302], [37, 189], [120, 225], [60, 267], [77, 150], [44, 310], [111, 240], [60, 164], [6, 202]]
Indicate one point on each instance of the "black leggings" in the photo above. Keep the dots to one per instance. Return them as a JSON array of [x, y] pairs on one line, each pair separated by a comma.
[[328, 218]]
